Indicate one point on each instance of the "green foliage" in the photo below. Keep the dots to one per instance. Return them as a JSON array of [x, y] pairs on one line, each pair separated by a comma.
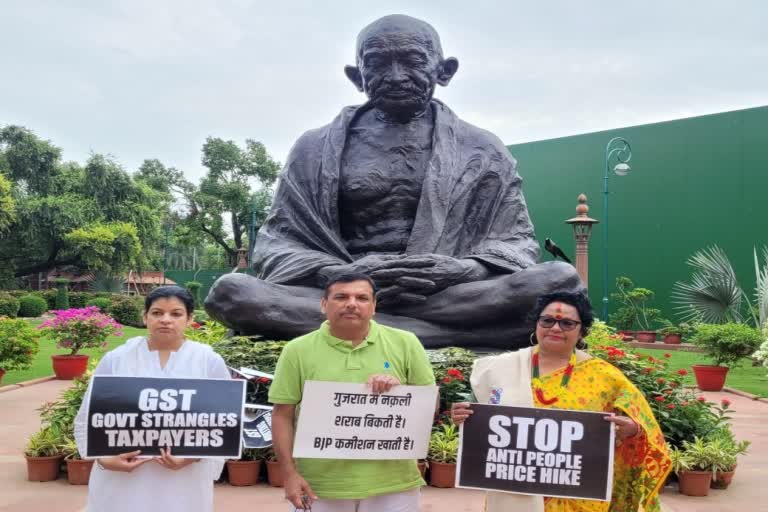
[[9, 305], [18, 344], [242, 351], [635, 309], [208, 333], [235, 191], [714, 294], [31, 306], [46, 442], [683, 329], [112, 247], [194, 289], [105, 282], [682, 415], [102, 303], [727, 344], [7, 204], [60, 414], [444, 444], [63, 206], [127, 310], [62, 293], [255, 454]]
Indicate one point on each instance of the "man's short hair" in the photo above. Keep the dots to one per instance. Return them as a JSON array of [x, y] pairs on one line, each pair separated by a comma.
[[349, 277]]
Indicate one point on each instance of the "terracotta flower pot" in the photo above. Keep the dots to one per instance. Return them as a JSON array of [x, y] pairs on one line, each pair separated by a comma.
[[710, 378], [79, 471], [69, 367], [627, 335], [695, 483], [423, 468], [646, 336], [43, 469], [441, 474], [673, 339], [243, 472], [274, 473], [722, 479]]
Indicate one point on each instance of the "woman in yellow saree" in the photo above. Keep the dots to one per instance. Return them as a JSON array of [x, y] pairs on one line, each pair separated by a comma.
[[554, 373]]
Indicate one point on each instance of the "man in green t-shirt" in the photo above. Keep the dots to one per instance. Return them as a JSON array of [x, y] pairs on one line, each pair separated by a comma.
[[348, 347]]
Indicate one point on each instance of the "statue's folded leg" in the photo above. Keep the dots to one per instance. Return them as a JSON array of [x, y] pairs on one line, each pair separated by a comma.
[[253, 306]]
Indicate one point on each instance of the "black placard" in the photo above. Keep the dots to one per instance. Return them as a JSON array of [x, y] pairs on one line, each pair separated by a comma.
[[548, 452], [195, 417], [257, 428]]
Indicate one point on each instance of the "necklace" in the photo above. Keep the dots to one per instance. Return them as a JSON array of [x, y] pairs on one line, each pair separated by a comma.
[[538, 384]]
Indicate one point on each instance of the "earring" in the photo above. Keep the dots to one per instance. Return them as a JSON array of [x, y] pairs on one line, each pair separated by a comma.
[[532, 335]]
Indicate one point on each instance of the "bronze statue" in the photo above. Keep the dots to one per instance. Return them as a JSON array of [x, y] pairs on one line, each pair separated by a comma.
[[401, 189]]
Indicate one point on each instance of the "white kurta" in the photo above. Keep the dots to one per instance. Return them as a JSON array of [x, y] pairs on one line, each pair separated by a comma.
[[151, 487]]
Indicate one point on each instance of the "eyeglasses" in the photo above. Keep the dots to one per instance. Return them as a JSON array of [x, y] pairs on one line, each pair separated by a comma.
[[566, 324]]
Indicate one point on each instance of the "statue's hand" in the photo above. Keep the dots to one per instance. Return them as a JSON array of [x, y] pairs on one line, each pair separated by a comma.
[[426, 274], [366, 265]]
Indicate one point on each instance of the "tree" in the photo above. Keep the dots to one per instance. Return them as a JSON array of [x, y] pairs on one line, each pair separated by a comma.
[[7, 205], [65, 211], [234, 194]]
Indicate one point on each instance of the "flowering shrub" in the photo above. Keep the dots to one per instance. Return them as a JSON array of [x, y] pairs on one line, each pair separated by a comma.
[[77, 329], [207, 333], [681, 414], [18, 344]]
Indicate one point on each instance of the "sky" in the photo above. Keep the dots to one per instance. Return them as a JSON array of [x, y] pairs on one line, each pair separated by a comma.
[[141, 79]]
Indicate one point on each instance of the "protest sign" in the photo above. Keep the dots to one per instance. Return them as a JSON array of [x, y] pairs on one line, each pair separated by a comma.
[[346, 421], [257, 426], [549, 452], [194, 417]]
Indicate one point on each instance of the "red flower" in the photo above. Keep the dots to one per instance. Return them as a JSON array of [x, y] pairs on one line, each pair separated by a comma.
[[725, 402], [684, 403], [263, 380], [660, 380], [659, 398], [670, 406], [682, 371], [453, 372], [651, 359], [447, 379], [702, 398], [667, 355], [196, 325], [647, 370]]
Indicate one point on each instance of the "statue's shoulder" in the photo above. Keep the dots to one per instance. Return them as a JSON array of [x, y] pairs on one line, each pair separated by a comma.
[[473, 137], [314, 140]]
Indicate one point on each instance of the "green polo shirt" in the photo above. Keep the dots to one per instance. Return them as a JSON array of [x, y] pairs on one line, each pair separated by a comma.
[[321, 356]]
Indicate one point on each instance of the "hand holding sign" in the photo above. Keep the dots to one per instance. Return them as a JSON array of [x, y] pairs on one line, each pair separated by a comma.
[[382, 383], [168, 461], [125, 462], [625, 427], [460, 411]]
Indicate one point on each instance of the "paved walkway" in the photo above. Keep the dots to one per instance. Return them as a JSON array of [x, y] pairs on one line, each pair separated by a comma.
[[19, 418]]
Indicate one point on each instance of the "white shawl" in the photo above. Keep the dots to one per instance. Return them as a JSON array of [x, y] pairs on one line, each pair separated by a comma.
[[510, 375]]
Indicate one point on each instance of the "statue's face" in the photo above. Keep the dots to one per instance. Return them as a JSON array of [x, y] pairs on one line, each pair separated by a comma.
[[399, 71]]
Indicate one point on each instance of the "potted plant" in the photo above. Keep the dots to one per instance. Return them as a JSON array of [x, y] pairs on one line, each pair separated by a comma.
[[674, 334], [77, 329], [78, 469], [274, 471], [18, 345], [245, 470], [726, 345], [43, 454], [694, 466], [635, 310], [442, 452], [726, 449]]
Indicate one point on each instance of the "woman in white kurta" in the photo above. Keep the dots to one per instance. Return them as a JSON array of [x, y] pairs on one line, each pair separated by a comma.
[[130, 482]]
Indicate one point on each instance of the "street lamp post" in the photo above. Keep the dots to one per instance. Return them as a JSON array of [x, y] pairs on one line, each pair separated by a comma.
[[619, 149]]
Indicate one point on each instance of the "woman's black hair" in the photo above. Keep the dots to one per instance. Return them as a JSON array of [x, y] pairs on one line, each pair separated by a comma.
[[580, 301], [168, 292]]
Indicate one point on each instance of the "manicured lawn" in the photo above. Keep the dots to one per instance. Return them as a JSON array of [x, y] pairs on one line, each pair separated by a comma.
[[752, 379], [41, 366]]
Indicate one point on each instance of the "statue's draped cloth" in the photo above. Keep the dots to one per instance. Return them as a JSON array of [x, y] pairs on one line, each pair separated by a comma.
[[471, 203]]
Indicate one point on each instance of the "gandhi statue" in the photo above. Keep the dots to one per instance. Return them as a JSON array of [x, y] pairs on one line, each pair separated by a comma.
[[401, 189]]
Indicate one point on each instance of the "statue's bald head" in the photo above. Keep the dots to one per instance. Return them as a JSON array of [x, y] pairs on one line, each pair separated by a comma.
[[404, 26]]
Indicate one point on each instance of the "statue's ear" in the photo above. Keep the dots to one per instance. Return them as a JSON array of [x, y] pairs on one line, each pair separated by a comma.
[[353, 73], [449, 68]]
